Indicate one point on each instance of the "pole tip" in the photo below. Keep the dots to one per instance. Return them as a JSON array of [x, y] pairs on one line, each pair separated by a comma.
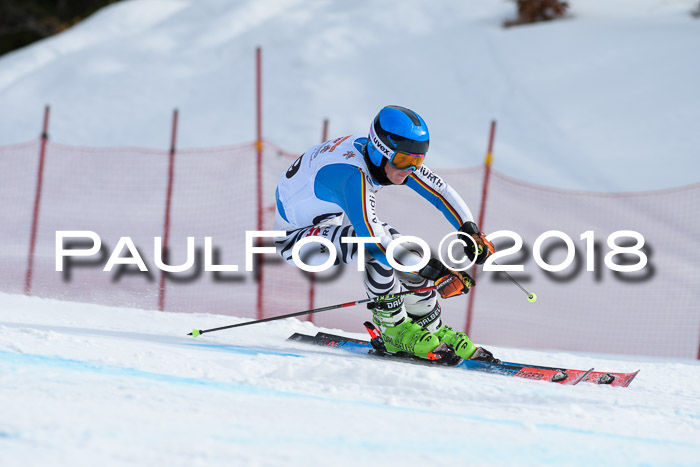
[[532, 298], [195, 333]]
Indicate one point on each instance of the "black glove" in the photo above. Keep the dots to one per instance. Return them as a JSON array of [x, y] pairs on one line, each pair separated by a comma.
[[433, 270], [483, 248], [448, 283]]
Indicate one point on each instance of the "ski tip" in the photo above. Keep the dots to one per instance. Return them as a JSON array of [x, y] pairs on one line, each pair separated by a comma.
[[195, 333]]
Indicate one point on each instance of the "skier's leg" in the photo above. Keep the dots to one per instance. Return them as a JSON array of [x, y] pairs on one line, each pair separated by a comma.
[[399, 332], [424, 309]]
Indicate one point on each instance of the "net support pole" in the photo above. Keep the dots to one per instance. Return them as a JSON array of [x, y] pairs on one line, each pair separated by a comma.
[[312, 275], [258, 171], [324, 133], [482, 211], [168, 204], [37, 203]]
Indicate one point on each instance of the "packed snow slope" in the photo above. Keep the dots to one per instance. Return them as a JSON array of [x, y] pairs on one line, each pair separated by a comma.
[[90, 385], [606, 99]]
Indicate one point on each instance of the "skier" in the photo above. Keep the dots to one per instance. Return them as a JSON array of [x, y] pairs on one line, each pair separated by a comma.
[[330, 192]]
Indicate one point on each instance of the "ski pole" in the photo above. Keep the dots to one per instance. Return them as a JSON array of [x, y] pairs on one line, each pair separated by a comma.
[[531, 297], [197, 332]]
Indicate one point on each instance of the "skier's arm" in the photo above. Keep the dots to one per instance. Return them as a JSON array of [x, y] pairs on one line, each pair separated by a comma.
[[441, 195]]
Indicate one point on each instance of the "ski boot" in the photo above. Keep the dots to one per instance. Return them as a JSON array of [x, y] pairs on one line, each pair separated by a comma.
[[395, 333], [463, 346]]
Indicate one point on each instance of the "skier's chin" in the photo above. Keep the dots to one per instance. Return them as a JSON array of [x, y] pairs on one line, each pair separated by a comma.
[[396, 176]]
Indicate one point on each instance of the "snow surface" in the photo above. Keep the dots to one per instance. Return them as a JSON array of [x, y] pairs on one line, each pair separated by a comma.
[[90, 385], [607, 99]]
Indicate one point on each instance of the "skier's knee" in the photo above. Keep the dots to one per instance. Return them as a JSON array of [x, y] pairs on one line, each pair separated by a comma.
[[427, 318], [379, 278]]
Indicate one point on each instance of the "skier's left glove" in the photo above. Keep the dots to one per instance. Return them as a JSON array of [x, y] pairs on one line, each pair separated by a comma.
[[448, 283], [454, 283], [483, 248]]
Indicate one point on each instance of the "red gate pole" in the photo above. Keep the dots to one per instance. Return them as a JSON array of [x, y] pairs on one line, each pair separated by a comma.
[[324, 134], [37, 203], [258, 167], [482, 210], [168, 203], [312, 275]]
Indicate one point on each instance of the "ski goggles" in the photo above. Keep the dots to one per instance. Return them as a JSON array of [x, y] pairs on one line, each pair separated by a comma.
[[405, 161]]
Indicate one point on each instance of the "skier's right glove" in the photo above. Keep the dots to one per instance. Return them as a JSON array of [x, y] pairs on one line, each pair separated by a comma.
[[448, 283]]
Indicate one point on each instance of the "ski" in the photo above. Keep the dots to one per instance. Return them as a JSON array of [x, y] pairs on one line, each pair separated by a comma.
[[519, 370]]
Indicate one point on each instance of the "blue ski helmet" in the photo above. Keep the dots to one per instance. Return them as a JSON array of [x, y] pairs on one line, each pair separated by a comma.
[[396, 129]]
